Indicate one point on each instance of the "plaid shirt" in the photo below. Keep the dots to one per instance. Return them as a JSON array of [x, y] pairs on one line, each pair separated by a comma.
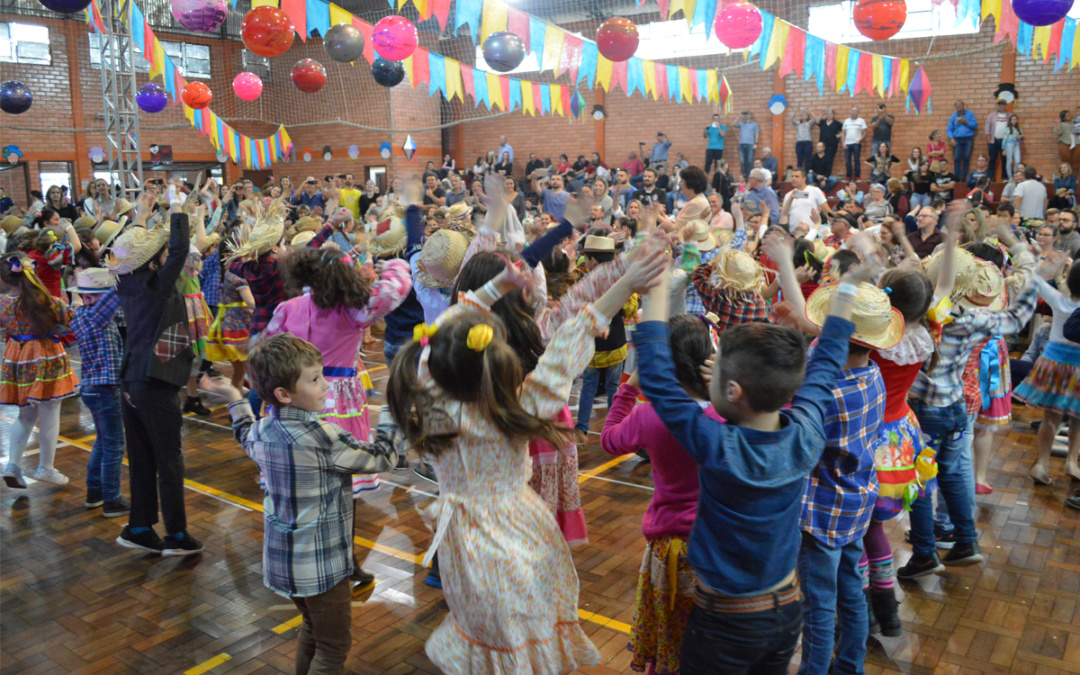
[[840, 493], [731, 308], [307, 465], [210, 279], [100, 346], [944, 385]]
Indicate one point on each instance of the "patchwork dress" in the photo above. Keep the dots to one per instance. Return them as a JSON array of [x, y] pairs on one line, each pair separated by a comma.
[[36, 368]]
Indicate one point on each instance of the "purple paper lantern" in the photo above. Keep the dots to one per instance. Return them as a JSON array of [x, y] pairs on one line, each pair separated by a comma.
[[151, 98], [1041, 12], [200, 16], [65, 6]]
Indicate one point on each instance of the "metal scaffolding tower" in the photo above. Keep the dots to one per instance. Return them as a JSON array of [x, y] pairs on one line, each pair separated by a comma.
[[118, 90]]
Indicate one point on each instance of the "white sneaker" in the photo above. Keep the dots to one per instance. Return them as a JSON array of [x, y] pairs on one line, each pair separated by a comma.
[[50, 476], [13, 476]]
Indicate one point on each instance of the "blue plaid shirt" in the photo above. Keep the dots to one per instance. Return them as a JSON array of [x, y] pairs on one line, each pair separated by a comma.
[[210, 279], [100, 346], [307, 465], [840, 492]]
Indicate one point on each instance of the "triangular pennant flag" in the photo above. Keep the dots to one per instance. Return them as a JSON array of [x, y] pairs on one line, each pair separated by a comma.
[[517, 22], [441, 10], [454, 88], [493, 18]]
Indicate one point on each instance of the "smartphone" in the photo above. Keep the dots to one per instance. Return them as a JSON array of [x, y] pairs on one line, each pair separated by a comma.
[[801, 194]]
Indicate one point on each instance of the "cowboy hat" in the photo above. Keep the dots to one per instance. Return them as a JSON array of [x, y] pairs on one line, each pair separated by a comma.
[[697, 231], [458, 210], [736, 270], [107, 231], [85, 223], [134, 248], [301, 239], [987, 288], [440, 260], [122, 206], [595, 243], [877, 323], [389, 236], [94, 280], [965, 271], [10, 224]]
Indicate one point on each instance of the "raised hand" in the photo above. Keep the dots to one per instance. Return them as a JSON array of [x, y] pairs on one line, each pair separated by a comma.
[[645, 271], [577, 209]]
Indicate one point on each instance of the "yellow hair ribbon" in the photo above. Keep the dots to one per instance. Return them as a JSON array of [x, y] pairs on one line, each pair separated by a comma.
[[423, 331], [480, 337]]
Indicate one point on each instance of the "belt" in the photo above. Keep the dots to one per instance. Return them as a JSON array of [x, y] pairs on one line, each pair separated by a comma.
[[711, 601], [30, 338], [338, 371]]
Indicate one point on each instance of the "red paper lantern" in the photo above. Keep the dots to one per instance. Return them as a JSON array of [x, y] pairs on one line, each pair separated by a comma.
[[267, 31], [308, 75], [880, 19], [617, 39], [196, 95], [738, 25]]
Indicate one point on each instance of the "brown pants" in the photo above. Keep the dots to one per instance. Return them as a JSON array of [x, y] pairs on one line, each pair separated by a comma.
[[1070, 157], [326, 632]]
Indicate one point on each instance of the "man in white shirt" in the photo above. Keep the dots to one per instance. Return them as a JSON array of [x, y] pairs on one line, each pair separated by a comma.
[[504, 146], [852, 133], [997, 123], [1029, 198], [800, 202]]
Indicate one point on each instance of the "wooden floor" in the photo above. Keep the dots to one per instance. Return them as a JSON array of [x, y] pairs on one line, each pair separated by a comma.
[[72, 601]]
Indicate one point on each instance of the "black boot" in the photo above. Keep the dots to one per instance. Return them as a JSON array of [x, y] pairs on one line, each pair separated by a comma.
[[885, 607], [874, 627], [194, 405]]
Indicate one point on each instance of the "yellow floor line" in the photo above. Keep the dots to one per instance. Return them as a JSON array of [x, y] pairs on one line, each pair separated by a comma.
[[288, 625], [586, 475], [207, 666]]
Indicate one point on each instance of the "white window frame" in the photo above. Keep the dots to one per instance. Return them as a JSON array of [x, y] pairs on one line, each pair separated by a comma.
[[13, 35]]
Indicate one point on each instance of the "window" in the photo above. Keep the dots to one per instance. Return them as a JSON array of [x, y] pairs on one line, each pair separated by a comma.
[[55, 173], [253, 63], [192, 60], [23, 43], [925, 18], [97, 42]]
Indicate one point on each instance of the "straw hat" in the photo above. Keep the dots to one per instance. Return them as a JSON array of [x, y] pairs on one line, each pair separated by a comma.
[[134, 248], [822, 252], [697, 231], [252, 241], [94, 280], [987, 289], [107, 231], [10, 224], [308, 224], [965, 271], [301, 239], [440, 260], [596, 244], [389, 236], [723, 237], [122, 207], [877, 323], [85, 223], [458, 210], [736, 270]]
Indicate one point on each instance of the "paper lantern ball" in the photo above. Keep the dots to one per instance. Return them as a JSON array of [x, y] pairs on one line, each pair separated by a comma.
[[15, 97], [344, 43], [504, 51], [309, 76], [196, 95], [1041, 12], [880, 19], [387, 73], [617, 38], [151, 98], [738, 25], [65, 6], [200, 16], [267, 31], [394, 37], [247, 86]]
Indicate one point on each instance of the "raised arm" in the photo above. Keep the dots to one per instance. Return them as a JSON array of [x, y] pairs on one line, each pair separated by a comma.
[[179, 247], [386, 294]]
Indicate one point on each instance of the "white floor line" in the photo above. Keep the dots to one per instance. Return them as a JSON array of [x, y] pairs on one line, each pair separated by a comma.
[[408, 488], [620, 482]]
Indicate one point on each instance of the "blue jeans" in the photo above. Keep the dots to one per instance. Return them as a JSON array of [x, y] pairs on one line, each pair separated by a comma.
[[942, 522], [590, 381], [390, 350], [814, 179], [103, 469], [832, 582], [761, 643], [944, 429], [746, 159], [962, 156], [852, 160], [803, 151], [921, 200]]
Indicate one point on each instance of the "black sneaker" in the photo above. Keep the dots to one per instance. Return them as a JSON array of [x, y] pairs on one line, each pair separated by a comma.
[[1073, 500], [361, 580], [963, 555], [212, 372], [402, 462], [644, 455], [426, 471], [195, 405], [93, 500], [144, 541], [121, 507], [172, 546], [920, 567], [943, 540]]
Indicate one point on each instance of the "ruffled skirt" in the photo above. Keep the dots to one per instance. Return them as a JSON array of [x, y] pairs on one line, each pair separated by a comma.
[[35, 371], [198, 315], [1054, 382], [895, 463], [347, 407], [665, 594], [555, 479]]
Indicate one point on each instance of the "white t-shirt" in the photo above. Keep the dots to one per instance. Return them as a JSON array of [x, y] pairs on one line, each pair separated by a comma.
[[1032, 195], [853, 130], [801, 206]]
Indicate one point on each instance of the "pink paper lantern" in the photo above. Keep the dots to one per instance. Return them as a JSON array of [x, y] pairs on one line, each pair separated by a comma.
[[738, 25], [247, 86], [394, 38]]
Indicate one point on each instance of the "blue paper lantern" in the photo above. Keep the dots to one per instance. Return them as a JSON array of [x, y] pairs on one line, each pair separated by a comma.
[[151, 98], [1041, 12], [388, 73], [65, 6], [15, 97], [504, 51]]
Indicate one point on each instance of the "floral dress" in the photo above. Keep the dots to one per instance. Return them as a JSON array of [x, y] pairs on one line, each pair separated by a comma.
[[35, 368], [229, 333], [198, 314], [507, 574]]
